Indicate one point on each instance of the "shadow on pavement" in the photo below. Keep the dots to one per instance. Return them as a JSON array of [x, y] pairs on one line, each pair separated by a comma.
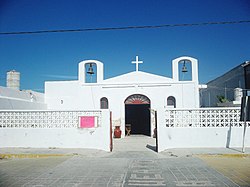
[[153, 148]]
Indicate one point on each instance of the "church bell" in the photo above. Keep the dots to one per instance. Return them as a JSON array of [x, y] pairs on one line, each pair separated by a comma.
[[90, 70], [184, 68]]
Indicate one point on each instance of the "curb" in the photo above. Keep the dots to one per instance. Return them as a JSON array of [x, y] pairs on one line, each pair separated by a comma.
[[243, 155], [9, 155]]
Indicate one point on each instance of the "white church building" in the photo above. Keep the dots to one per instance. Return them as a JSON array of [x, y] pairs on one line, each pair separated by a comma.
[[131, 97], [83, 113]]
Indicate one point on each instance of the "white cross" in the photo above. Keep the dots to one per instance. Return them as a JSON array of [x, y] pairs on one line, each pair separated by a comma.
[[137, 62]]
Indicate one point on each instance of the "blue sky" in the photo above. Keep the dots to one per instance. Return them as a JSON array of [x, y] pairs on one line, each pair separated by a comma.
[[55, 56]]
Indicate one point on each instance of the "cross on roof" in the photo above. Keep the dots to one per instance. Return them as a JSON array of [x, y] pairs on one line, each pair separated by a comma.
[[137, 62]]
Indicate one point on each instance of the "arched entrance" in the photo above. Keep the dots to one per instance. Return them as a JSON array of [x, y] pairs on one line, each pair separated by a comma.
[[137, 114]]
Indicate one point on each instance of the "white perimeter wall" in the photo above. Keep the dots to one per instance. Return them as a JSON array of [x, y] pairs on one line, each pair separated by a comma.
[[93, 138], [185, 137], [209, 128]]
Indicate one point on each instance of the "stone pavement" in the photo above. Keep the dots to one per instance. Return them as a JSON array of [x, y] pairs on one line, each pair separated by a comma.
[[132, 163], [235, 167]]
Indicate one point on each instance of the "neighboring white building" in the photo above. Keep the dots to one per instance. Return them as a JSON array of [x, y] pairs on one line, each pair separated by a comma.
[[131, 97], [230, 86], [12, 98]]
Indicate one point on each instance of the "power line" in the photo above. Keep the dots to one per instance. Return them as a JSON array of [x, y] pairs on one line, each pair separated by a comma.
[[125, 28]]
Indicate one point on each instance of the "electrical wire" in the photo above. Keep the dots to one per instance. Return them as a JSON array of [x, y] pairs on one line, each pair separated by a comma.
[[125, 28]]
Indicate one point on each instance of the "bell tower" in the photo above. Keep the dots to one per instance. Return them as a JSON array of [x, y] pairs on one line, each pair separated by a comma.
[[183, 60], [88, 67]]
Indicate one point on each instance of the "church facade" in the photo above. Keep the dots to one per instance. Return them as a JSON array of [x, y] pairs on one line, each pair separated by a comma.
[[132, 98]]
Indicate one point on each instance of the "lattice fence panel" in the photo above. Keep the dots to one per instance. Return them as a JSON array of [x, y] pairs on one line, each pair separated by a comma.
[[45, 119], [203, 117]]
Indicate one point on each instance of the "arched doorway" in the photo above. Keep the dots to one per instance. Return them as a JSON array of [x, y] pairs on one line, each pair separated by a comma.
[[137, 114]]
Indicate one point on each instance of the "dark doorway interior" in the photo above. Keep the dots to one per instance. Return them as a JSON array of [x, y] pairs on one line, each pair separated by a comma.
[[138, 115]]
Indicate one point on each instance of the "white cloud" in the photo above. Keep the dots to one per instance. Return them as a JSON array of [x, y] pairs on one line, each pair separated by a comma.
[[60, 76]]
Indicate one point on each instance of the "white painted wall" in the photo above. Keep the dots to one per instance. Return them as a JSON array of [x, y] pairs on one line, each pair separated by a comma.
[[194, 137], [78, 95], [70, 95], [93, 138], [201, 137]]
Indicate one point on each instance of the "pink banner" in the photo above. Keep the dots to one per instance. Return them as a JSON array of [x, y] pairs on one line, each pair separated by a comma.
[[87, 121]]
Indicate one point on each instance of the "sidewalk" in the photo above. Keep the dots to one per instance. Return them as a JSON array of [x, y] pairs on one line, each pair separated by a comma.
[[228, 152], [131, 143], [133, 162], [49, 152]]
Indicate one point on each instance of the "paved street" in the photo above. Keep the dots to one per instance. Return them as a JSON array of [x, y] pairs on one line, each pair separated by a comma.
[[235, 167], [132, 163]]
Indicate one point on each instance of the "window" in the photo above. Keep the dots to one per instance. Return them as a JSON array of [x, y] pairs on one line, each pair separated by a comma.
[[171, 101], [104, 103]]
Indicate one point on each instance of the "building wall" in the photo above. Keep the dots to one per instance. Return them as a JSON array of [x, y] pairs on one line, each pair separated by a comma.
[[247, 74], [223, 86], [72, 95], [80, 95], [21, 100]]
